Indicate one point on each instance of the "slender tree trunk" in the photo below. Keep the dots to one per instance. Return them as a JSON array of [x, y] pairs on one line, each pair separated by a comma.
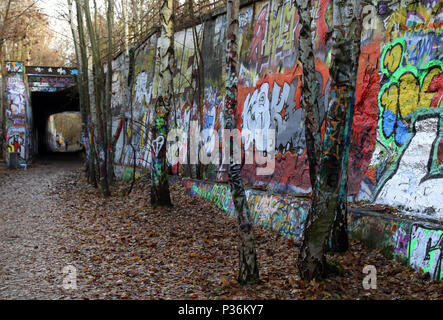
[[3, 143], [198, 87], [81, 91], [3, 27], [310, 90], [83, 84], [108, 94], [248, 268], [325, 201], [99, 100], [339, 241], [160, 195]]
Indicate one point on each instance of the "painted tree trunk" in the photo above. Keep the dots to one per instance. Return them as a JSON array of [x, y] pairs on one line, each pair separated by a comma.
[[339, 241], [129, 58], [160, 195], [248, 269], [325, 200], [310, 90]]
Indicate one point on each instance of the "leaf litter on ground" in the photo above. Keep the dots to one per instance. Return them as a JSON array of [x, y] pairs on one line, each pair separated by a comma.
[[122, 248]]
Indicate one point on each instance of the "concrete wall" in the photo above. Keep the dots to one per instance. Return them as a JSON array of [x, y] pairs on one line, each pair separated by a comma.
[[396, 149], [416, 243], [17, 105]]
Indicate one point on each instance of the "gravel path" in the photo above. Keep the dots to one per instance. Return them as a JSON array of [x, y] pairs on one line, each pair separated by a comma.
[[30, 264]]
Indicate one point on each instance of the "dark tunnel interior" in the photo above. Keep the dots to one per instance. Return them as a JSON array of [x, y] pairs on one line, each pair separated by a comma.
[[45, 104]]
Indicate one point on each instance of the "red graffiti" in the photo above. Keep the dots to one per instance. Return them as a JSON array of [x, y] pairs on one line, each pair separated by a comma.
[[255, 52], [365, 117], [322, 28], [291, 171], [436, 85]]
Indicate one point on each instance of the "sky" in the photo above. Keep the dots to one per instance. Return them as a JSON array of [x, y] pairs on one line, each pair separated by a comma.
[[57, 24]]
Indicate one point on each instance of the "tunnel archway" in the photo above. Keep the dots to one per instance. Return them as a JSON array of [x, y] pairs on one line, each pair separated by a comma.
[[45, 104]]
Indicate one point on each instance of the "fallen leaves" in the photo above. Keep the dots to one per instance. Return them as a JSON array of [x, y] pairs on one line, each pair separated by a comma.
[[127, 250]]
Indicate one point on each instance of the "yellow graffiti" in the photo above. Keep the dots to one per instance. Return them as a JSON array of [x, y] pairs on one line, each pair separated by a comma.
[[280, 28], [142, 131], [407, 90], [415, 18], [390, 98], [393, 58]]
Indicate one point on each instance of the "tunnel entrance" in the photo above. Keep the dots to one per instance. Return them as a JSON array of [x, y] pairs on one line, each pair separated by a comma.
[[45, 104]]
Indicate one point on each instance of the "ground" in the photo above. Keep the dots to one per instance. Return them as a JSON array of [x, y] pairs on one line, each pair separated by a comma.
[[123, 249]]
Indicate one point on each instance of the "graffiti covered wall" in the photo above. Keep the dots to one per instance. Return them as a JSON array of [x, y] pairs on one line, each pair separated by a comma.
[[17, 129], [399, 137], [400, 238], [396, 149], [19, 82], [268, 211]]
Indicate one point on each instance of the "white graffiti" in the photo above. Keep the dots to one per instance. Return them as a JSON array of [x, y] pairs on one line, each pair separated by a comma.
[[117, 91], [426, 250], [61, 71], [406, 188], [256, 115], [157, 144], [16, 95], [245, 17], [141, 91], [278, 113]]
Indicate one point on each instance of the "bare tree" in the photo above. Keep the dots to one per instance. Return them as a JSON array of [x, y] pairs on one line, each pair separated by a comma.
[[108, 93], [248, 269], [325, 200], [98, 95], [160, 195]]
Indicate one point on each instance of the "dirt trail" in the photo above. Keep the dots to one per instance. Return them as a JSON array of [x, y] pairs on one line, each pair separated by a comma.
[[30, 264]]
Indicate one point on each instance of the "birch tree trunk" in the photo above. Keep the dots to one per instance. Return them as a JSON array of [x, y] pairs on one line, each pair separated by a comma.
[[108, 94], [325, 200], [248, 269], [81, 92], [160, 195], [310, 90], [99, 99], [84, 87], [339, 241]]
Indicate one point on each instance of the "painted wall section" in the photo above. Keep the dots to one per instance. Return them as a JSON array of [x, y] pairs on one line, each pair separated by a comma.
[[17, 129], [415, 244], [268, 211], [404, 136], [396, 151]]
